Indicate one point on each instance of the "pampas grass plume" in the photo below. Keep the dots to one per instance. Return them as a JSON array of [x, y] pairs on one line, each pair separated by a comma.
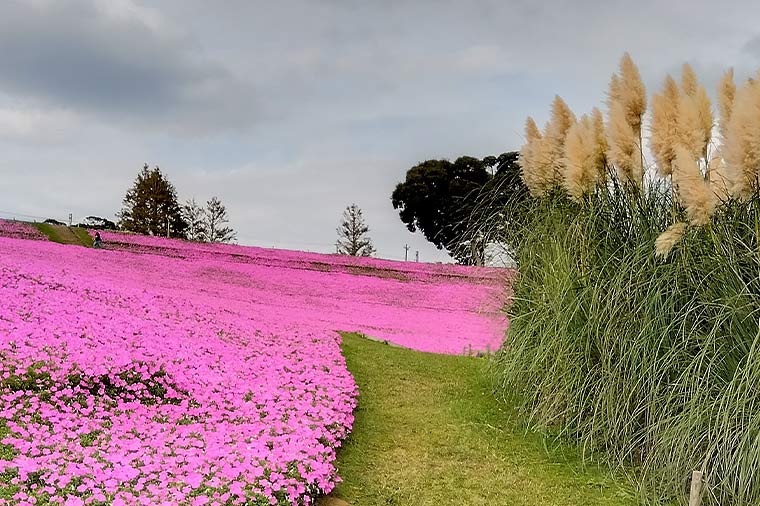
[[741, 148], [718, 179], [633, 95], [600, 141], [726, 94], [689, 132], [688, 80], [695, 193], [665, 242], [529, 157], [664, 126], [624, 150], [581, 159]]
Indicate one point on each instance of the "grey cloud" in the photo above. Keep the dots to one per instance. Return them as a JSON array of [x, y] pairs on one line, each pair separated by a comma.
[[332, 100], [752, 47], [77, 55]]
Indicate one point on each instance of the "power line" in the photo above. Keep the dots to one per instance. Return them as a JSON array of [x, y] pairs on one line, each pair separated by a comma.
[[22, 215]]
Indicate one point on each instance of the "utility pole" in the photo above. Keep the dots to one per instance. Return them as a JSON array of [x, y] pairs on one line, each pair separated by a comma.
[[167, 226], [70, 219], [406, 252], [417, 256]]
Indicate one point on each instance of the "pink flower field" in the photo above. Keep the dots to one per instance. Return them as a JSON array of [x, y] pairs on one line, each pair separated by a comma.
[[20, 230], [165, 372]]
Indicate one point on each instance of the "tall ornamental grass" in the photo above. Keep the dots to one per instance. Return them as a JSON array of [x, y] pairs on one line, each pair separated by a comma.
[[634, 327]]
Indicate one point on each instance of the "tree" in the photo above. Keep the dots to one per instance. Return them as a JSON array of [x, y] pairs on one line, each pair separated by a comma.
[[195, 217], [452, 202], [150, 206], [215, 219], [352, 234], [97, 223]]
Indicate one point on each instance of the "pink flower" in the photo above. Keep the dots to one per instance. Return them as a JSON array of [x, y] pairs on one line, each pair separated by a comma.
[[167, 366]]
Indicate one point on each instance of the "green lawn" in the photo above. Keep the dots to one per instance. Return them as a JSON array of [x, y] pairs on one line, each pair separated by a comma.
[[65, 235], [429, 432]]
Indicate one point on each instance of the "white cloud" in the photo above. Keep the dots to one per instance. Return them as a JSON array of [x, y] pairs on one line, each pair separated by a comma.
[[36, 125]]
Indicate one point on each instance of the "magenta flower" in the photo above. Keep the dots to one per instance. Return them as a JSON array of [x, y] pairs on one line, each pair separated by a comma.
[[164, 372]]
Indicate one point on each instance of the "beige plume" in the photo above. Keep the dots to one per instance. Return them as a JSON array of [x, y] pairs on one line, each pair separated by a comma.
[[665, 242], [600, 140], [688, 80], [705, 118], [719, 181], [633, 95], [562, 118], [726, 93], [664, 127], [689, 134], [614, 94], [741, 149], [624, 151], [582, 158], [694, 192], [529, 157]]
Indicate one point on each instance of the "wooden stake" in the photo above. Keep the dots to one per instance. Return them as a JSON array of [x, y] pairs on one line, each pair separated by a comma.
[[695, 495]]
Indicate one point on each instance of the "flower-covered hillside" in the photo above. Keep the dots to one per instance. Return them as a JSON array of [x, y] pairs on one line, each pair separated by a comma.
[[201, 374], [428, 307], [115, 389], [20, 230]]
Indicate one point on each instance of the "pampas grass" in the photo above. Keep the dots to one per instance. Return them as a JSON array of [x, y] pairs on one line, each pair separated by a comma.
[[529, 158], [543, 154], [695, 193], [696, 120], [667, 240], [634, 327], [626, 104], [718, 178], [624, 149], [689, 132], [560, 121], [582, 160], [664, 128], [688, 80], [726, 93], [633, 95], [741, 149], [638, 345]]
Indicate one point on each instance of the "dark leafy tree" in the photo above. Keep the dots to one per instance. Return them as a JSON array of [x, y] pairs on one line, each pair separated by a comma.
[[215, 222], [97, 223], [455, 203], [195, 217], [150, 206], [352, 234]]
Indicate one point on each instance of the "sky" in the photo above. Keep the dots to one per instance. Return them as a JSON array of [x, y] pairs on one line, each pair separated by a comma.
[[289, 111]]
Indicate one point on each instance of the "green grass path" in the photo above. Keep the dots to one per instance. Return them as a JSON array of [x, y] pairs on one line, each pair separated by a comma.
[[65, 235], [428, 432]]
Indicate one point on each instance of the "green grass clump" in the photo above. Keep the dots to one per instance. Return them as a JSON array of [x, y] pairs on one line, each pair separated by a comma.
[[429, 432], [651, 363]]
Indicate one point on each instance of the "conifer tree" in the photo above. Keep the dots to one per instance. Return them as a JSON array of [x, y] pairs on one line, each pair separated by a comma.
[[194, 216], [215, 222], [150, 206], [352, 234]]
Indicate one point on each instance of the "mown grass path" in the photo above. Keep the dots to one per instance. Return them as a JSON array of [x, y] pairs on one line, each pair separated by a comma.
[[65, 235], [429, 432]]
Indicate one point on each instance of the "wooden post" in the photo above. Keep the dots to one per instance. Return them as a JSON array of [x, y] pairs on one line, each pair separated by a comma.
[[695, 495]]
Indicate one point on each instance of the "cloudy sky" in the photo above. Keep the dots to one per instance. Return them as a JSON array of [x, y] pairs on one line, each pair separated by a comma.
[[291, 110]]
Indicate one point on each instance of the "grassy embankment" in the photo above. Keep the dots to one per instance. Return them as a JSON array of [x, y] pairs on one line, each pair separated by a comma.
[[428, 431], [65, 235]]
